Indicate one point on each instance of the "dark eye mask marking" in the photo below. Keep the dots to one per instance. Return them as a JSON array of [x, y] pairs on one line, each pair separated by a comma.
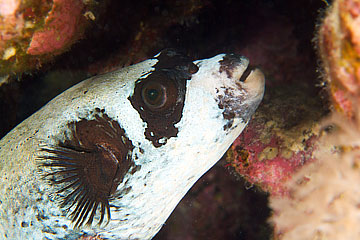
[[88, 166], [171, 71]]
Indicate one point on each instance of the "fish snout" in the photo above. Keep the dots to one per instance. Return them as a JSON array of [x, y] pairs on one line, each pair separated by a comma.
[[244, 89], [253, 80]]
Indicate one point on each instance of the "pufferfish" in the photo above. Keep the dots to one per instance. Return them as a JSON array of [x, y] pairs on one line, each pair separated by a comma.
[[113, 155]]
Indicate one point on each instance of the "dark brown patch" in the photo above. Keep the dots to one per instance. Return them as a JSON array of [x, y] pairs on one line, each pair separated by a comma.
[[235, 106], [170, 74], [228, 125], [229, 63], [87, 168]]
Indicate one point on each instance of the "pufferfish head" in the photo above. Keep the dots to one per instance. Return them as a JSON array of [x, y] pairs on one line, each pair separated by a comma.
[[123, 148]]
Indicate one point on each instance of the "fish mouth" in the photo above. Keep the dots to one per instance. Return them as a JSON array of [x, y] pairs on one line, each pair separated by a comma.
[[248, 86], [253, 80], [245, 75]]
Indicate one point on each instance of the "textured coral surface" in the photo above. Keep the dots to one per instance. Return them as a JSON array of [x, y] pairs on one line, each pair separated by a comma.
[[276, 35], [61, 27], [339, 45], [279, 141], [324, 196], [32, 32], [283, 134], [323, 200]]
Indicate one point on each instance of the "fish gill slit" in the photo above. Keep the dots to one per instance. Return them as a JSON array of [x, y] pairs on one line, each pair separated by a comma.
[[87, 167]]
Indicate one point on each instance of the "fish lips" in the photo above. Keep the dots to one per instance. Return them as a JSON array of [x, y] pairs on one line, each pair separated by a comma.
[[243, 93]]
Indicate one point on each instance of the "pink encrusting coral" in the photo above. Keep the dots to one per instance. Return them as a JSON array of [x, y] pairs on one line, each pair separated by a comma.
[[283, 133], [61, 28], [268, 156], [324, 197], [339, 48], [10, 25], [32, 32], [8, 7]]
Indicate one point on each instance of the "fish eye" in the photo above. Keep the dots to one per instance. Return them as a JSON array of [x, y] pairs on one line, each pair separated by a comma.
[[154, 95]]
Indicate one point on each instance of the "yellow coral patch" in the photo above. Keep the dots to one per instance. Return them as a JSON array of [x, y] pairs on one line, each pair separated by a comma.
[[8, 53], [268, 153]]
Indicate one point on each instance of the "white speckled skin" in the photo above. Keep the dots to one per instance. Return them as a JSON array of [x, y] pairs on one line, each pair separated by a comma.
[[28, 207]]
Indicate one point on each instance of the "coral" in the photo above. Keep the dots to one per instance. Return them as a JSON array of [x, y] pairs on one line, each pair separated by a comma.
[[283, 134], [278, 141], [32, 32], [274, 34], [339, 48], [324, 196], [60, 30]]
